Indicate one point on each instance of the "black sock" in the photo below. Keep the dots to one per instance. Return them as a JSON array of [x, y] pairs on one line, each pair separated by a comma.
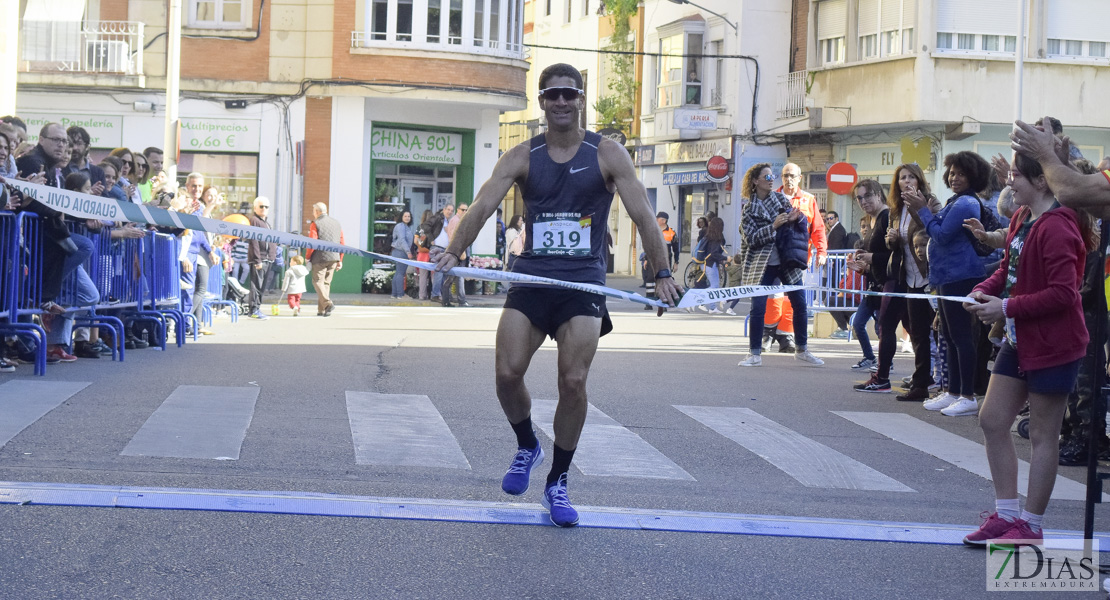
[[525, 437], [560, 464]]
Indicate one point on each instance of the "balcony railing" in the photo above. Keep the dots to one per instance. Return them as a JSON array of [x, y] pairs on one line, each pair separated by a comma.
[[792, 95], [90, 47], [453, 44]]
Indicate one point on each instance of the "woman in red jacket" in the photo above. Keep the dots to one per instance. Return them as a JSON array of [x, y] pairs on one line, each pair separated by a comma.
[[1036, 291]]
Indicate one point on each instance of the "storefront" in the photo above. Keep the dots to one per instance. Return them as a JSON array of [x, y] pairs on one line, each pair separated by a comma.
[[676, 177], [224, 145], [417, 169]]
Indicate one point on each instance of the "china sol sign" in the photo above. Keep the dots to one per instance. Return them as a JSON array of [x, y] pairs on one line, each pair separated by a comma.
[[403, 145]]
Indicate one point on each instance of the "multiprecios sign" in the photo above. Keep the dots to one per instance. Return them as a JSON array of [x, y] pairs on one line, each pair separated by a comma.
[[220, 135], [404, 145]]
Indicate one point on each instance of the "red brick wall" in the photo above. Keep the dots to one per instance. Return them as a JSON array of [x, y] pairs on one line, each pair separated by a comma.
[[416, 70], [113, 10], [317, 154], [233, 60], [799, 35]]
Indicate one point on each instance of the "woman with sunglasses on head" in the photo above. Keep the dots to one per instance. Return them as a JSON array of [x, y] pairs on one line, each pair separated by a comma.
[[954, 269], [905, 274], [1036, 292], [766, 215]]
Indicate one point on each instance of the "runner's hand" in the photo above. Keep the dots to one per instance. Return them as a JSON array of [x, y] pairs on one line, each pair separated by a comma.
[[446, 262], [668, 291]]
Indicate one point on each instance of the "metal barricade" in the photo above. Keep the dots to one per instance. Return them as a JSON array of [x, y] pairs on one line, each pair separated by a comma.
[[163, 271], [99, 259], [217, 290], [22, 280]]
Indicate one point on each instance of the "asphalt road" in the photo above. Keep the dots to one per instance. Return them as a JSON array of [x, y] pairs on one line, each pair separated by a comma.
[[299, 439]]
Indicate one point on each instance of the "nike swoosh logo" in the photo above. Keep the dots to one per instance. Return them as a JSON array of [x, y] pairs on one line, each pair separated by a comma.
[[573, 170]]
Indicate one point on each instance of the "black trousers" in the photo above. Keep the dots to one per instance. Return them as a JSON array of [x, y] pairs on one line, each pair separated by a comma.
[[917, 316], [258, 277]]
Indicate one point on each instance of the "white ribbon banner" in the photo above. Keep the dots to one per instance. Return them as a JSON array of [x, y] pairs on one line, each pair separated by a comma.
[[86, 206]]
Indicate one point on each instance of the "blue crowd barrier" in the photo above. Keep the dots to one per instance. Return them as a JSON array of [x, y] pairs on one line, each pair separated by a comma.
[[217, 292], [22, 280], [99, 259]]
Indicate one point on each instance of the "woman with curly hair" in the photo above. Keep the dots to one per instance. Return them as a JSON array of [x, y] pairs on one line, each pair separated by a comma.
[[766, 217], [954, 269]]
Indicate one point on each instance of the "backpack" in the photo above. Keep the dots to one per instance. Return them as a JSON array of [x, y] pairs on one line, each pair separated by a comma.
[[990, 223]]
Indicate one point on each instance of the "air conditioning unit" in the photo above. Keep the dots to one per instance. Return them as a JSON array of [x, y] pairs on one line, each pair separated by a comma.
[[107, 56]]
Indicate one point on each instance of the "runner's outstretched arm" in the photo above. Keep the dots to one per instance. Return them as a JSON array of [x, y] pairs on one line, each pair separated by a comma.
[[616, 164]]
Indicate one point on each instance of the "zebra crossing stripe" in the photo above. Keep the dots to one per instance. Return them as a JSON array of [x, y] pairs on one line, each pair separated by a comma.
[[951, 448], [23, 402], [811, 463], [608, 449], [401, 430], [197, 421]]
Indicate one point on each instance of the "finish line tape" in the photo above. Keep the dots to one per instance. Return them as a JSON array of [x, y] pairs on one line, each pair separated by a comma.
[[87, 206]]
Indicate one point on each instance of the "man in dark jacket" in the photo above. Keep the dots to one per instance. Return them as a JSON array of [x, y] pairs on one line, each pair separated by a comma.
[[260, 256], [834, 232]]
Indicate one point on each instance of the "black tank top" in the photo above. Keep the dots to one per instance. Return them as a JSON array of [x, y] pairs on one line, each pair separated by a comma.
[[566, 213]]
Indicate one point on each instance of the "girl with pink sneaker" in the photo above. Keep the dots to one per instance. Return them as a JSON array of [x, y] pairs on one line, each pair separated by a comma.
[[1035, 291]]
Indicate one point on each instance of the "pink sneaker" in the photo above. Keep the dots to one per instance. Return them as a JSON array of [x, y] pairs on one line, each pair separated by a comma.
[[992, 528], [1020, 530], [60, 353]]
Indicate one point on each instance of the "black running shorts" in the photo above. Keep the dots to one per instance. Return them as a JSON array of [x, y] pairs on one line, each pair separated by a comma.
[[549, 307]]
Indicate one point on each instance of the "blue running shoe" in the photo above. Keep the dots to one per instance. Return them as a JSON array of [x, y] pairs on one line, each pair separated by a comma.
[[516, 479], [555, 499]]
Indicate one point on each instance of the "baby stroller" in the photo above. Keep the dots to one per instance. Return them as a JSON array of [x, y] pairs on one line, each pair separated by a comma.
[[235, 292]]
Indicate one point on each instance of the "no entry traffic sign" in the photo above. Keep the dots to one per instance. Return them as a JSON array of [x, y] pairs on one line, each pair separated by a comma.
[[841, 177], [717, 167]]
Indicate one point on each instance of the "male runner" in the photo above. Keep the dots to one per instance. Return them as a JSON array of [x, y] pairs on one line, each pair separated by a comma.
[[568, 176]]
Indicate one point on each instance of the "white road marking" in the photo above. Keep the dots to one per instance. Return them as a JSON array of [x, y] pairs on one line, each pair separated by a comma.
[[811, 463], [24, 401], [951, 448], [608, 449], [197, 421], [401, 429]]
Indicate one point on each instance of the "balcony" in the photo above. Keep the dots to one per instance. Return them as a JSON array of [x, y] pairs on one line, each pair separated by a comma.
[[491, 28], [99, 47], [792, 95]]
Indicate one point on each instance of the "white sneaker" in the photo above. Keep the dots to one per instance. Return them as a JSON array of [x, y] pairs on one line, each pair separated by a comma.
[[702, 308], [730, 312], [753, 360], [964, 407], [714, 311], [940, 402], [807, 356]]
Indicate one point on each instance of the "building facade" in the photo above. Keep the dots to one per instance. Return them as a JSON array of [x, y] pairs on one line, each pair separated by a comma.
[[879, 83], [699, 91], [371, 106]]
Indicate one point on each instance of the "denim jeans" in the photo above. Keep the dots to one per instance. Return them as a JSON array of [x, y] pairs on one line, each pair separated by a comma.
[[771, 276], [84, 294], [398, 289], [859, 324]]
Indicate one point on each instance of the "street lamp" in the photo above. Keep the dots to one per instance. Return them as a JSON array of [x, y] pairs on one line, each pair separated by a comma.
[[715, 14]]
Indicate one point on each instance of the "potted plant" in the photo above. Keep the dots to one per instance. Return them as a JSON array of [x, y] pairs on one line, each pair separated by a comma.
[[376, 281]]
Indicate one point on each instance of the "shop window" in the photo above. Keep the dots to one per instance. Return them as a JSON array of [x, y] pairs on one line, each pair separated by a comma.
[[234, 175], [219, 14]]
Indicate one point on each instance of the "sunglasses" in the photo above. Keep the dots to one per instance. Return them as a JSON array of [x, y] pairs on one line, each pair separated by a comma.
[[570, 94], [770, 177]]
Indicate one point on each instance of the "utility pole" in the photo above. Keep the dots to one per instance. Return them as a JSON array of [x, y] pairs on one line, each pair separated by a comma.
[[171, 139], [1019, 58]]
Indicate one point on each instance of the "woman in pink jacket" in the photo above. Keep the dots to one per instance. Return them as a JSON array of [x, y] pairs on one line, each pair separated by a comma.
[[1036, 292]]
